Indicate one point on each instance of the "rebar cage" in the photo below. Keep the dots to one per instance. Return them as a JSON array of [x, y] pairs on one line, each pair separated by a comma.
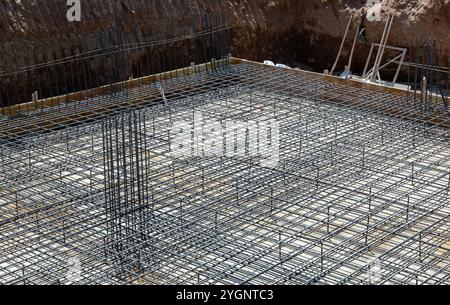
[[91, 191]]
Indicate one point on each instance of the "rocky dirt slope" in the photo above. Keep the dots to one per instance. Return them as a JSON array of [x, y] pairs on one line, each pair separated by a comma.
[[290, 31]]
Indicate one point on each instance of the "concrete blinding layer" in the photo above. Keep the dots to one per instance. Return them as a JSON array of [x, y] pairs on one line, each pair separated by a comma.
[[359, 193]]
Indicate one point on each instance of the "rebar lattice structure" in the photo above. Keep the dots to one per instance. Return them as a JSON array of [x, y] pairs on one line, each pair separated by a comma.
[[91, 191], [354, 184]]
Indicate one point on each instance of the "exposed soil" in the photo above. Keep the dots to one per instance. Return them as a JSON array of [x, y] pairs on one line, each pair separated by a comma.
[[310, 32], [290, 31]]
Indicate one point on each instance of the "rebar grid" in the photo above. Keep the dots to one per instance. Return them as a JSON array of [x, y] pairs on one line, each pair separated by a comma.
[[363, 180]]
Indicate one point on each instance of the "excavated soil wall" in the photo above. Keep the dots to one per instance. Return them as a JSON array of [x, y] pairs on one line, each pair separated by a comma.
[[297, 32]]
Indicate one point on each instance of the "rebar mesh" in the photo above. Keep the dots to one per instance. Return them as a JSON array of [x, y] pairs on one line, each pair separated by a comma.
[[360, 193]]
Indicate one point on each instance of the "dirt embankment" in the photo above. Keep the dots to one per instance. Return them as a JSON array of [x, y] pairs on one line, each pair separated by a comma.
[[310, 32], [289, 31]]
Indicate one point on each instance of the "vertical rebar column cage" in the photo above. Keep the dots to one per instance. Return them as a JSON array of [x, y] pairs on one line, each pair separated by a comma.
[[127, 198]]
